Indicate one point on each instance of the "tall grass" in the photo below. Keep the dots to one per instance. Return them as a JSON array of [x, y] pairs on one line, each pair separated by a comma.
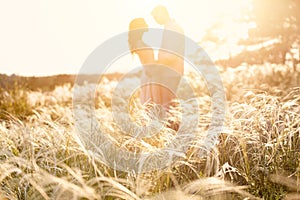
[[14, 101], [257, 156]]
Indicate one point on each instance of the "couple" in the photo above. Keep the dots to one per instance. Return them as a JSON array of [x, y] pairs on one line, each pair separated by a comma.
[[160, 77]]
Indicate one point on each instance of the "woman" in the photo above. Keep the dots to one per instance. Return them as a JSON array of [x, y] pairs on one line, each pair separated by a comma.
[[157, 85]]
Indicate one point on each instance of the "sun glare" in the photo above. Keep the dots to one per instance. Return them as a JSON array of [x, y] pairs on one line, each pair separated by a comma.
[[226, 25]]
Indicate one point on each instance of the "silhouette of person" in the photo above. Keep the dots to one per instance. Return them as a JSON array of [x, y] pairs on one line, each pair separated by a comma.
[[149, 91], [160, 78], [172, 62]]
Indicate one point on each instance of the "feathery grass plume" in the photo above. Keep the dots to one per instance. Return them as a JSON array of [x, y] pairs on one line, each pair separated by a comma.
[[41, 156]]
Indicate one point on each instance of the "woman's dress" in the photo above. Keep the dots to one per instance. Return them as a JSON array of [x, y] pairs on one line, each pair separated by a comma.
[[159, 84]]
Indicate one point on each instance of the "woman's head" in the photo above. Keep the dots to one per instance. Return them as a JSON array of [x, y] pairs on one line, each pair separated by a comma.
[[137, 23], [136, 29]]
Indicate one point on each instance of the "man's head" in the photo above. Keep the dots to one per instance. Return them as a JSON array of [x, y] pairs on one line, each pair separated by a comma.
[[161, 14]]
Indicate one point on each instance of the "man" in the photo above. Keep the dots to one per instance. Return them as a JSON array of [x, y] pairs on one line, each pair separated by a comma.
[[170, 55]]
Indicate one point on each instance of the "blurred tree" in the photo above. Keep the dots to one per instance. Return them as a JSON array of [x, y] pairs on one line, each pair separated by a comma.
[[276, 34]]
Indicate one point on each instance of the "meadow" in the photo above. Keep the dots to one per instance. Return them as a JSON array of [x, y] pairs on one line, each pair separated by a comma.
[[257, 155]]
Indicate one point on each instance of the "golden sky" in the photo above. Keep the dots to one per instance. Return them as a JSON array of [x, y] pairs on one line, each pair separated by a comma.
[[40, 37]]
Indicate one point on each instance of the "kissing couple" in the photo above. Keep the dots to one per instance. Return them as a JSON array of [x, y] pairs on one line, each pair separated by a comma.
[[160, 78]]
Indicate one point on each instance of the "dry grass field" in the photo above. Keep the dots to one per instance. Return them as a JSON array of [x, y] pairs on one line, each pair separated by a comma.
[[257, 156]]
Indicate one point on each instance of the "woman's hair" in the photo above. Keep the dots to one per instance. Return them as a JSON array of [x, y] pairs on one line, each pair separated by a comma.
[[136, 29]]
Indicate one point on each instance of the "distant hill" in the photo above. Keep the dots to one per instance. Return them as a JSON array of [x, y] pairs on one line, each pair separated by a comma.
[[50, 82]]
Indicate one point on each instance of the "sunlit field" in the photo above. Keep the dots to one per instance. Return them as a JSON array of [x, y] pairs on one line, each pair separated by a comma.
[[67, 133], [257, 156]]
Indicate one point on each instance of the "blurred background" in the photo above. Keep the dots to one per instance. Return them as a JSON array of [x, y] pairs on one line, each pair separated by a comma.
[[55, 37]]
